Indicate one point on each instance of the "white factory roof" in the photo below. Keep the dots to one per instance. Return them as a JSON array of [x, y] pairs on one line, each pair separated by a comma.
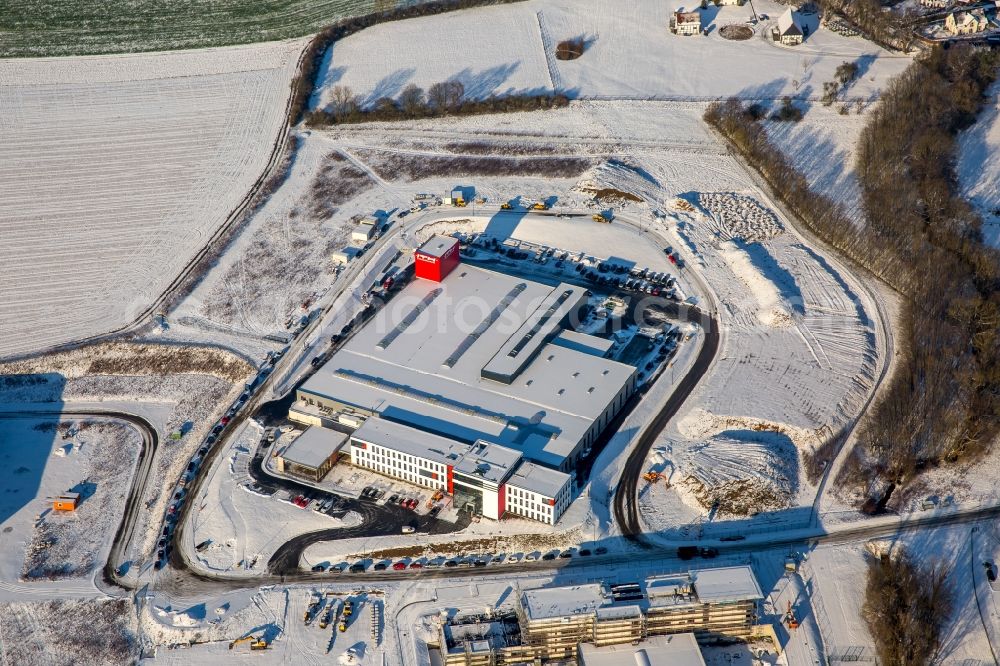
[[673, 650], [537, 479], [314, 446], [405, 439], [551, 602], [436, 246], [726, 584], [490, 462], [537, 330], [588, 344], [419, 359]]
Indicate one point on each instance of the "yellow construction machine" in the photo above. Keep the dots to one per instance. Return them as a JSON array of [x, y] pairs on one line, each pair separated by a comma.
[[255, 643]]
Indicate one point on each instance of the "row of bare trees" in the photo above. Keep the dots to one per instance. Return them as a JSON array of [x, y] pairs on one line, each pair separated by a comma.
[[441, 99], [923, 239]]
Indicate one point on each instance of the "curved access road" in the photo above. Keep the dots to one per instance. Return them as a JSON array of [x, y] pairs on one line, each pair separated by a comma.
[[150, 442], [626, 500]]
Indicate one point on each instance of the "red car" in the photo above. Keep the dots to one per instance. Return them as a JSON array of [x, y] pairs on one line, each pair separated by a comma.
[[672, 258], [399, 566], [411, 504], [416, 565], [224, 421]]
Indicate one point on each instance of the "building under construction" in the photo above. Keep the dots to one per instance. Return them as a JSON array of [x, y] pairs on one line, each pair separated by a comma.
[[551, 623]]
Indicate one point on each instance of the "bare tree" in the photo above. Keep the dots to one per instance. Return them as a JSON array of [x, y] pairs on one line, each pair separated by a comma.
[[446, 96], [343, 101], [411, 100]]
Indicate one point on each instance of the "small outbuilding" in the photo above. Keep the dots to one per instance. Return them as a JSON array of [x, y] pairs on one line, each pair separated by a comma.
[[66, 502], [312, 454], [345, 256]]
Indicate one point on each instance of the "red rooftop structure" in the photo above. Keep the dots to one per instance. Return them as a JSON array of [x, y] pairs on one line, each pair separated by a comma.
[[436, 258]]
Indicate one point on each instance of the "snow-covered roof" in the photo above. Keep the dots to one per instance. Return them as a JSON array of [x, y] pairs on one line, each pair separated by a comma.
[[402, 438], [490, 462], [688, 17], [419, 361], [581, 342], [673, 650], [726, 584], [537, 330], [787, 25], [618, 612], [552, 602], [436, 246], [537, 479], [314, 446]]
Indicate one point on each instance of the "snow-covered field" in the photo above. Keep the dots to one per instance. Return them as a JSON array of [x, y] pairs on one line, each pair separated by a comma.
[[116, 171], [979, 167], [630, 53], [43, 459]]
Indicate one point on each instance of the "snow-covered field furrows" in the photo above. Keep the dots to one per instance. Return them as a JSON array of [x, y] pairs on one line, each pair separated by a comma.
[[107, 189], [809, 369], [491, 50], [822, 146]]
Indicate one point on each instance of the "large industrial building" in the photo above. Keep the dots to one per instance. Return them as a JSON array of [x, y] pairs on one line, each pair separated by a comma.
[[662, 620], [467, 363]]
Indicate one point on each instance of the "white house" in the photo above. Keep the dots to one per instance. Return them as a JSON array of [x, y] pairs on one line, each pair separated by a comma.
[[788, 31], [687, 23], [966, 23]]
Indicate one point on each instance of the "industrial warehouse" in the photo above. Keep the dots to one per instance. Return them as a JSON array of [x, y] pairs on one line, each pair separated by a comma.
[[473, 381], [592, 623]]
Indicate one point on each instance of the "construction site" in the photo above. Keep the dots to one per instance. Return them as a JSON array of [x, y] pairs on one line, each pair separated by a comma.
[[554, 624]]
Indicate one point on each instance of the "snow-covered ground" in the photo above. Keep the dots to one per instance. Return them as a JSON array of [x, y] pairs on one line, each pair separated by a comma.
[[629, 54], [244, 528], [837, 576], [44, 458], [979, 166], [127, 378], [117, 170]]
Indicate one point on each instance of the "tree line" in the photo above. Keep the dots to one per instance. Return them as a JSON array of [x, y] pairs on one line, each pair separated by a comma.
[[924, 240], [441, 99]]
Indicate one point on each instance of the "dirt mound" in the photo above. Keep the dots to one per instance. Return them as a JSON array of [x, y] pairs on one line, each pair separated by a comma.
[[736, 31]]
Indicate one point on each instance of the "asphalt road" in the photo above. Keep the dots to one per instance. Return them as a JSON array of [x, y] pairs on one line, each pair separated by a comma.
[[376, 520], [626, 499]]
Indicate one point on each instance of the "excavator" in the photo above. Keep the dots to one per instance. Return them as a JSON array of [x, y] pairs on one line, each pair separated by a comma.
[[506, 206], [540, 205], [255, 643], [651, 476], [601, 217], [790, 618]]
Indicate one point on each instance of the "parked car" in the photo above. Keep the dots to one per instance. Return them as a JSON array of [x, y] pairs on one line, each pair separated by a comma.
[[416, 565], [601, 550], [399, 566], [584, 552], [450, 563], [357, 567], [319, 567], [549, 556], [381, 566], [393, 499]]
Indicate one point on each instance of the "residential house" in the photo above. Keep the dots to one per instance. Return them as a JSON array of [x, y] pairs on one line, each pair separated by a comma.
[[788, 31], [966, 23], [687, 23]]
